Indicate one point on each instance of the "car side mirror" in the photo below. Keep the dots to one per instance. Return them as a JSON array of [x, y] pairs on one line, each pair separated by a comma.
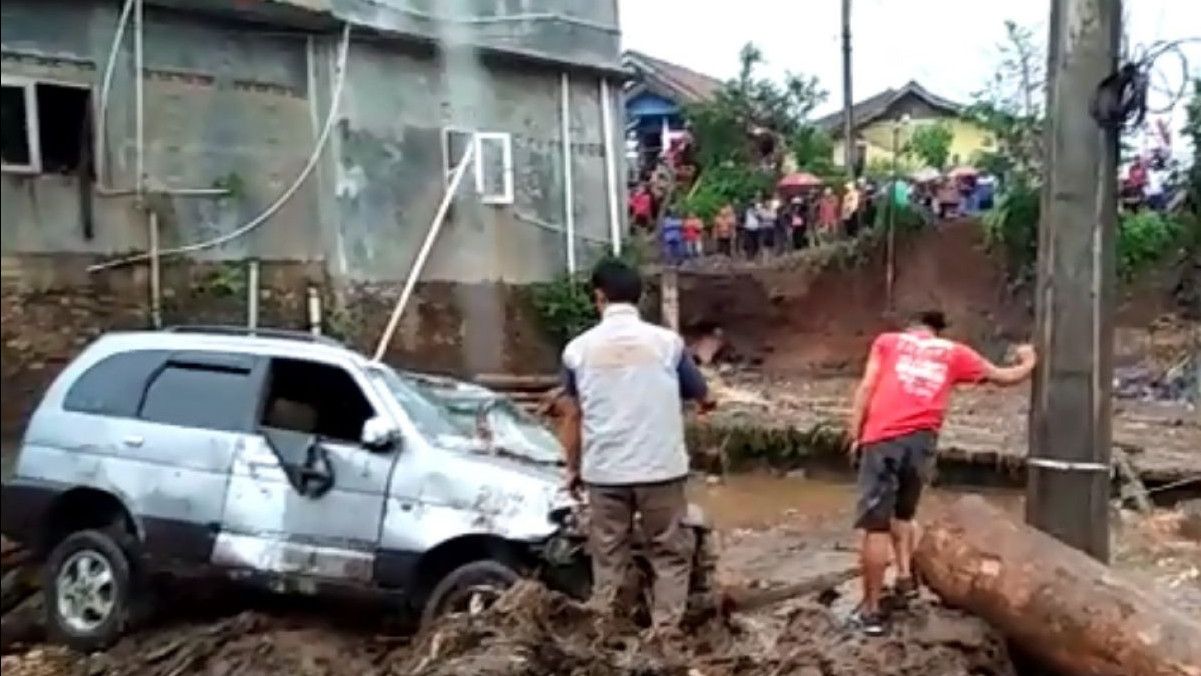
[[379, 433]]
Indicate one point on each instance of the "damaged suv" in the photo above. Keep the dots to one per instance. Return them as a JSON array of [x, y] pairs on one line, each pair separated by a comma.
[[278, 458]]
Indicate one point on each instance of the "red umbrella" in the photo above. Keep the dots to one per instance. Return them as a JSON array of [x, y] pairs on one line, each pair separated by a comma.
[[963, 172], [800, 179]]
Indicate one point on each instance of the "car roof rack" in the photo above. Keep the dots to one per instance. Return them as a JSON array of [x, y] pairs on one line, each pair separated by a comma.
[[253, 332]]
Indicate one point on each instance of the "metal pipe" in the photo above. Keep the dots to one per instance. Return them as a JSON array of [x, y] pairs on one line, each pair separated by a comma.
[[138, 95], [610, 166], [156, 287], [314, 311], [568, 188], [252, 293], [426, 247], [174, 192]]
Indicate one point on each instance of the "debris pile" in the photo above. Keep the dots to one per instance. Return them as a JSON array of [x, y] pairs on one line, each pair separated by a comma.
[[532, 631], [1179, 382]]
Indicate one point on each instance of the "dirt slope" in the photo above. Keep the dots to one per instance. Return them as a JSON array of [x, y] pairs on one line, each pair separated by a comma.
[[807, 314]]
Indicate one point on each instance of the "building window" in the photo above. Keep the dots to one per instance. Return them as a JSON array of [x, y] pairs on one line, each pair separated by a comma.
[[45, 127], [491, 159], [494, 168]]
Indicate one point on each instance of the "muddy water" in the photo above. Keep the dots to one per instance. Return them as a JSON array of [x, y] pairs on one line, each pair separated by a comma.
[[761, 500]]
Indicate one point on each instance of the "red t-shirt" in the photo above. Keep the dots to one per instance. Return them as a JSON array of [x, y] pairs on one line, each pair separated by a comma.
[[917, 372]]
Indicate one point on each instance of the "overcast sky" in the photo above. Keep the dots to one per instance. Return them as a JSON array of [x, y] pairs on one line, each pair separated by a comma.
[[950, 46]]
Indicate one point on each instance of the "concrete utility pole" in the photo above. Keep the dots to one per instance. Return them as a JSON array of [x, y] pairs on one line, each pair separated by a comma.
[[848, 142], [1070, 433]]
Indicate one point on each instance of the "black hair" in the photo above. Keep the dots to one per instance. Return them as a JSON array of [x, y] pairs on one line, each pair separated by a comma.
[[617, 280], [935, 319]]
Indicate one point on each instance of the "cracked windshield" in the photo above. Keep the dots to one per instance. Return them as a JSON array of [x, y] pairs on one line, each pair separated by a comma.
[[600, 338]]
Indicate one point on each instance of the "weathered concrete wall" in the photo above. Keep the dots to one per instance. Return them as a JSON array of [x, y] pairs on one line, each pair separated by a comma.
[[50, 309], [391, 176], [240, 104], [224, 104]]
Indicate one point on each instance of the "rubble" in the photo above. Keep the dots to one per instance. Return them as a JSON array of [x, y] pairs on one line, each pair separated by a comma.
[[534, 631]]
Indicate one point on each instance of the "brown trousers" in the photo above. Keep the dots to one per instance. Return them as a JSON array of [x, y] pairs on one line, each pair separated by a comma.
[[668, 544]]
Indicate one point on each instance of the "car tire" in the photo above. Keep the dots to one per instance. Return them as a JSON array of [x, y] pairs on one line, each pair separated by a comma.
[[87, 587], [461, 586]]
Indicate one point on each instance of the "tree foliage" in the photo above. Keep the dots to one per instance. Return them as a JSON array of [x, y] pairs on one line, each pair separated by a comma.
[[931, 144], [729, 131], [1010, 108]]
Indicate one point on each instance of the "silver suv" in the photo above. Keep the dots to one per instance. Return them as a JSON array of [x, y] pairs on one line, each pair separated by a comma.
[[279, 458]]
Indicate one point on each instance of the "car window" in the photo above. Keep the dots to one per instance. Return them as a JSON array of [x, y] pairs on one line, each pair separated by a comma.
[[315, 398], [207, 396], [114, 385]]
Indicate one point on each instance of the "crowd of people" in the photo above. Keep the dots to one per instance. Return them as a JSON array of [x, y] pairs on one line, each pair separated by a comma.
[[770, 225]]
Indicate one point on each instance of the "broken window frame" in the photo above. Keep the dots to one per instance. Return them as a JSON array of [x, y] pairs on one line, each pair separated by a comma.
[[478, 141], [33, 132], [505, 196]]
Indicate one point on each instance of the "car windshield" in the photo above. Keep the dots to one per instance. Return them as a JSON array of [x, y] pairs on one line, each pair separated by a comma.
[[519, 434], [511, 430], [428, 415]]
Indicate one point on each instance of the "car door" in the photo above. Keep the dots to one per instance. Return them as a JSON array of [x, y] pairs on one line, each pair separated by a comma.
[[193, 416], [273, 524]]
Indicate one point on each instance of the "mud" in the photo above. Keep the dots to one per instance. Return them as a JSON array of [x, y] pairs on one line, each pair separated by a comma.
[[795, 529], [533, 631]]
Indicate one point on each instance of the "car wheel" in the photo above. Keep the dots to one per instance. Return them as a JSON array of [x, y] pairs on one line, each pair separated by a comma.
[[470, 588], [87, 589]]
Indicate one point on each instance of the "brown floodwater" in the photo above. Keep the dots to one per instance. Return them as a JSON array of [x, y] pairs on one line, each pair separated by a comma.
[[759, 500]]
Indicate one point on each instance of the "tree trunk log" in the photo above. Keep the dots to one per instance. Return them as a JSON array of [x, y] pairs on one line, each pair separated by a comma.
[[1055, 602]]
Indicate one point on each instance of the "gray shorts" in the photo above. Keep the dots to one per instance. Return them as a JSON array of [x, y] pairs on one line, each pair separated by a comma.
[[891, 476]]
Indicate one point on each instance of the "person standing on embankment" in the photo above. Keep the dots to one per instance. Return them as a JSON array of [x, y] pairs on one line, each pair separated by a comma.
[[623, 432], [898, 410]]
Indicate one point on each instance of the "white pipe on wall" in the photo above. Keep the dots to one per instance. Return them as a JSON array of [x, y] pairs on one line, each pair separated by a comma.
[[105, 86], [156, 282], [568, 186], [315, 319], [138, 95], [252, 293], [426, 246], [610, 166]]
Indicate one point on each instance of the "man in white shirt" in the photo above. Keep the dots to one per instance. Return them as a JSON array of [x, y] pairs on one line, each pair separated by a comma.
[[624, 437]]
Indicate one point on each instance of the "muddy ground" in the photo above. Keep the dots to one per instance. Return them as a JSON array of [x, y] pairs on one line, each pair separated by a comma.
[[794, 530]]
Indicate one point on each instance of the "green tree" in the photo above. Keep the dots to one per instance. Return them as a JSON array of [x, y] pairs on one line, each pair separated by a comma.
[[727, 130], [1010, 108], [813, 150], [931, 144]]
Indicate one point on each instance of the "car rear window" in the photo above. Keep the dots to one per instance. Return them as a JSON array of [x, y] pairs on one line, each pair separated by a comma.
[[114, 385], [207, 396]]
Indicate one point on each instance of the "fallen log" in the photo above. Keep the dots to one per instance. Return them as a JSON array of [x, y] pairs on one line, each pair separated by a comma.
[[1056, 603]]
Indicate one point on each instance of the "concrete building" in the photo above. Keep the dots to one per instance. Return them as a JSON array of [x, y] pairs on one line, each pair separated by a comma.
[[878, 119], [223, 139]]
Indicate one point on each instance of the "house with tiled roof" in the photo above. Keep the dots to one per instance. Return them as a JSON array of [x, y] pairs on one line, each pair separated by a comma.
[[656, 94], [882, 124]]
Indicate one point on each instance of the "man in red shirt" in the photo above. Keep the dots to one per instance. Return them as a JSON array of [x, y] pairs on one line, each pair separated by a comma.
[[897, 413]]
